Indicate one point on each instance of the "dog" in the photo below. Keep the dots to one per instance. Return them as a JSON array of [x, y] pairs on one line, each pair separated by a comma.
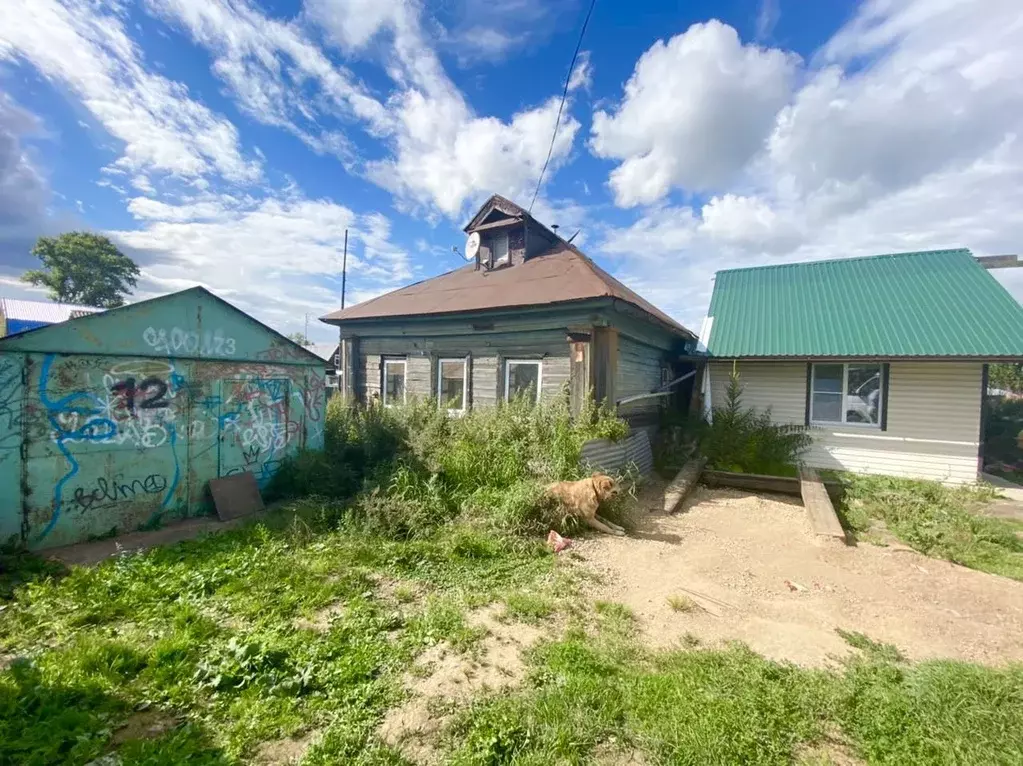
[[582, 500]]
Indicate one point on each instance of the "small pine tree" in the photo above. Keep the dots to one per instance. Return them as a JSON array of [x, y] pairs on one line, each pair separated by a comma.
[[747, 441]]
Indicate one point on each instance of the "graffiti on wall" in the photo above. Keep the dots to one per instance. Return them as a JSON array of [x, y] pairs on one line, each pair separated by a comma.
[[178, 341], [131, 432]]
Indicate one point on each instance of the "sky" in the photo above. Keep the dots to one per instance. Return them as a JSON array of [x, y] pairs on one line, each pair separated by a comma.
[[231, 143]]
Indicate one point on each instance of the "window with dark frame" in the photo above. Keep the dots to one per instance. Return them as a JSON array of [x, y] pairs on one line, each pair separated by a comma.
[[499, 248], [847, 393], [522, 376], [394, 382]]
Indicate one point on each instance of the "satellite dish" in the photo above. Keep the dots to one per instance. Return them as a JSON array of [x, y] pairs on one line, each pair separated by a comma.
[[472, 246]]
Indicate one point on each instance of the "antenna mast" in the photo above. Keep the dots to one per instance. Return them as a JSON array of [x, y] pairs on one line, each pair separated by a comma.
[[344, 271]]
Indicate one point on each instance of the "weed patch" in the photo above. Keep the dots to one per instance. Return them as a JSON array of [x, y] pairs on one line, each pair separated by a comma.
[[589, 693], [936, 520]]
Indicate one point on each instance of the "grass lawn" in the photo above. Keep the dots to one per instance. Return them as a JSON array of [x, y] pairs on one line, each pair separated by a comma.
[[221, 635], [935, 519], [223, 644]]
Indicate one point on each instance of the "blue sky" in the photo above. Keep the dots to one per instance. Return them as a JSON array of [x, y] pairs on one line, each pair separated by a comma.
[[230, 143]]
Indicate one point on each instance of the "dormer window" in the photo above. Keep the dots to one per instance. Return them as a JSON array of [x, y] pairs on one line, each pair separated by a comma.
[[499, 248]]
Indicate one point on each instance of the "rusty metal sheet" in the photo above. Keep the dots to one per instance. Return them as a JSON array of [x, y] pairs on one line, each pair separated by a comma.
[[236, 495]]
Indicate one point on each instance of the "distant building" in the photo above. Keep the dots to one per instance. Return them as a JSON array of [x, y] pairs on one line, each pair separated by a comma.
[[331, 354], [17, 316]]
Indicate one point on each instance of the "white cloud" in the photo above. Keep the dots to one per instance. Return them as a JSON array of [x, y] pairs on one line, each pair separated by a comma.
[[80, 47], [278, 257], [695, 111], [23, 190], [768, 15], [582, 74], [906, 135], [445, 156], [271, 66], [441, 156]]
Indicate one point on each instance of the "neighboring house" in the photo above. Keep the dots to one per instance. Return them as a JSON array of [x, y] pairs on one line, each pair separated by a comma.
[[531, 313], [884, 356], [18, 316], [331, 354]]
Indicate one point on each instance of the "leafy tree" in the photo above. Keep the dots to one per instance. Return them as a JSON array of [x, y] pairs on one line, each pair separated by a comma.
[[84, 268], [299, 338], [1007, 377]]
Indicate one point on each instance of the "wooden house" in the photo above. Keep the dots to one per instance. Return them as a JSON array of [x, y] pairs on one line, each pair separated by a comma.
[[529, 315]]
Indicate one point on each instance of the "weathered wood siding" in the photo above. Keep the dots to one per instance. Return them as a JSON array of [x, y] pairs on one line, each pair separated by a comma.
[[933, 418], [486, 368], [639, 372]]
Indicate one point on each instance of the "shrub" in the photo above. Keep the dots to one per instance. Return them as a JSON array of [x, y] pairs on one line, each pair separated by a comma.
[[747, 441]]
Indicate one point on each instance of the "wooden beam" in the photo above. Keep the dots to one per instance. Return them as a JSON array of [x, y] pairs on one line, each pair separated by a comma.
[[676, 492], [999, 261], [823, 518], [604, 364], [753, 482]]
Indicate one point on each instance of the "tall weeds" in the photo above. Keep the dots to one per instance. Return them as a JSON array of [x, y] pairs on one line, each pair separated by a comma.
[[415, 467]]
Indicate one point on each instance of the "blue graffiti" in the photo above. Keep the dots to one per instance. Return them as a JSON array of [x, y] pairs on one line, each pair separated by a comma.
[[95, 429]]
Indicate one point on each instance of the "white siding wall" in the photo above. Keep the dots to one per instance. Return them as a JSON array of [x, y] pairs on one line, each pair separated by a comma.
[[933, 418]]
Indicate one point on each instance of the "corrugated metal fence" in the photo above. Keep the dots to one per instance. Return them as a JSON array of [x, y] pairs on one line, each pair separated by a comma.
[[614, 457]]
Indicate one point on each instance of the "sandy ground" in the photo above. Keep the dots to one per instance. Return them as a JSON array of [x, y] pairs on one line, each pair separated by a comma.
[[760, 576], [445, 677]]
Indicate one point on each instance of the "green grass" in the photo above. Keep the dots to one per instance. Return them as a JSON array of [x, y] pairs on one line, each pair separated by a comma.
[[935, 519], [587, 694], [208, 631]]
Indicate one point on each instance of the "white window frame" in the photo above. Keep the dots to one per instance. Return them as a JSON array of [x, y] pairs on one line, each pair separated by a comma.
[[501, 237], [465, 383], [845, 393], [507, 375], [404, 377]]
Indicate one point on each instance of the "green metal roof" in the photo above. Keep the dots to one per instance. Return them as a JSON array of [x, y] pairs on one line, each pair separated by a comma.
[[940, 303]]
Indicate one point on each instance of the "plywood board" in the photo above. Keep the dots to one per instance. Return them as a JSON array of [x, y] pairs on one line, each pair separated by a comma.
[[236, 495]]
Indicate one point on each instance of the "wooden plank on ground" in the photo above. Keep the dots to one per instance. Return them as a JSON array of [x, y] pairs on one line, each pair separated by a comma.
[[236, 495], [753, 482], [683, 484], [818, 505]]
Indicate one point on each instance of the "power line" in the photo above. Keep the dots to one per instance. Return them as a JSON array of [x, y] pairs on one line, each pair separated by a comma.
[[564, 95]]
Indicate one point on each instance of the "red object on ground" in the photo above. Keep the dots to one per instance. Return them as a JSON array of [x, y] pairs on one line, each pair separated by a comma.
[[557, 542]]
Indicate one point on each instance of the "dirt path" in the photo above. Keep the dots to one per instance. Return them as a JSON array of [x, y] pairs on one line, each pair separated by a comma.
[[736, 551]]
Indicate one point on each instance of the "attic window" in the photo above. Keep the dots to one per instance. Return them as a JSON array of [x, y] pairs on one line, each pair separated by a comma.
[[499, 248]]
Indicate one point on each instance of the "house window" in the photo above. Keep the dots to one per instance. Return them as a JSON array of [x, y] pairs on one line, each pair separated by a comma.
[[394, 382], [451, 390], [522, 377], [499, 248], [847, 393]]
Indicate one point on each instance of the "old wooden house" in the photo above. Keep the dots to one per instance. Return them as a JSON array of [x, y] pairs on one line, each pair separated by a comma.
[[529, 315]]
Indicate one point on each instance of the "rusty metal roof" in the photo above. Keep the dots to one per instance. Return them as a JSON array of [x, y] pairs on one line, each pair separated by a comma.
[[561, 275]]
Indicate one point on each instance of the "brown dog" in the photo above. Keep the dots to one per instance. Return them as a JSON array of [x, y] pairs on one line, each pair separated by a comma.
[[582, 499]]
